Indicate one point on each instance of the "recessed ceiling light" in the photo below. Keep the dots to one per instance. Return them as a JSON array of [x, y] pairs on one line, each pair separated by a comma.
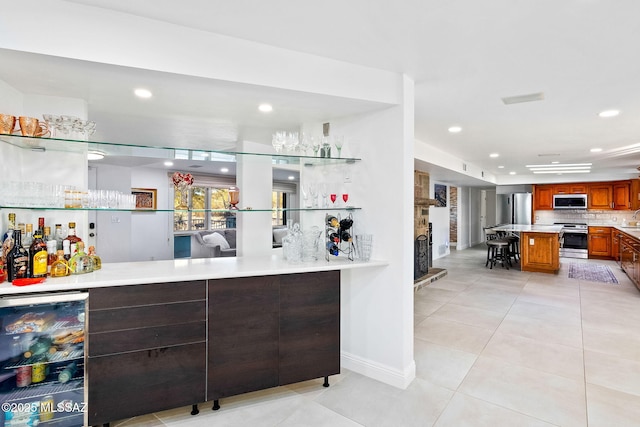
[[143, 93], [596, 150], [494, 155], [168, 163], [455, 129], [500, 167], [265, 108], [539, 96], [95, 155], [512, 173], [291, 177], [609, 113], [224, 170]]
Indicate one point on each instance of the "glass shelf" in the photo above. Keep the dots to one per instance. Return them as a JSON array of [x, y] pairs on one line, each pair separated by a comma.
[[228, 211], [42, 144]]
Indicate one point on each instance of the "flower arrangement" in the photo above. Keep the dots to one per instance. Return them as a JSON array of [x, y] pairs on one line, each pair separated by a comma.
[[182, 179]]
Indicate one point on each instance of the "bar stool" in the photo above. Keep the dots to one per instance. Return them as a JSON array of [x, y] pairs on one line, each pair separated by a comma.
[[498, 251]]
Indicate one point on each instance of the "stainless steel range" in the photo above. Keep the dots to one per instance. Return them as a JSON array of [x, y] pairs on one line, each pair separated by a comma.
[[573, 240]]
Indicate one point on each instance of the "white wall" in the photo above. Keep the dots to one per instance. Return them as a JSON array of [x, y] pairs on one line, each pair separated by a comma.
[[463, 218], [474, 209]]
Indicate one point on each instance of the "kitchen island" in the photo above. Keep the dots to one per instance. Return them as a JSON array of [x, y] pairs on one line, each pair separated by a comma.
[[539, 246]]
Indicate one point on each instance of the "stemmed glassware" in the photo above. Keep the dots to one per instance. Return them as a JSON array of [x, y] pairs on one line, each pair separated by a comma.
[[313, 190], [345, 197], [324, 189], [338, 141], [315, 145], [333, 197], [278, 141]]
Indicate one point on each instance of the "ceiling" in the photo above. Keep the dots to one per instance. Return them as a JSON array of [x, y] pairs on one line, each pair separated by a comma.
[[463, 55]]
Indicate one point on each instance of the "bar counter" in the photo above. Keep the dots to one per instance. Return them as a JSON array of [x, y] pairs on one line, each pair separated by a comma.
[[539, 246], [145, 272]]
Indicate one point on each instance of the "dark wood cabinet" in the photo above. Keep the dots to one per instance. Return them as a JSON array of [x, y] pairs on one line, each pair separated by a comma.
[[273, 330], [570, 188], [309, 326], [146, 348], [540, 252], [243, 335], [599, 242], [543, 197]]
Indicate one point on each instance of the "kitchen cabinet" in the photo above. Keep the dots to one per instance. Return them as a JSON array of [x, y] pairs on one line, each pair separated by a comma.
[[599, 242], [540, 252], [570, 188], [621, 195], [615, 244], [600, 196], [272, 330], [634, 195], [630, 257], [146, 348], [543, 197]]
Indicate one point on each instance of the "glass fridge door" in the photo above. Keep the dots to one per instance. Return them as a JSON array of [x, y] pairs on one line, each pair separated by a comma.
[[42, 360]]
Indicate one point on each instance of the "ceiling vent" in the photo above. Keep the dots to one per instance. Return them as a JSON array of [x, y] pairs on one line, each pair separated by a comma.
[[523, 98], [195, 166]]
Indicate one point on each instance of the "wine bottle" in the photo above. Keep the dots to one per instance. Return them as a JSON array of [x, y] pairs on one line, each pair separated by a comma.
[[17, 260]]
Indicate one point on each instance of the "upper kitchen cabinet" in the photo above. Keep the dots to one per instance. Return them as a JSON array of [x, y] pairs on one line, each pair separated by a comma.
[[543, 197], [570, 189], [600, 196], [622, 195]]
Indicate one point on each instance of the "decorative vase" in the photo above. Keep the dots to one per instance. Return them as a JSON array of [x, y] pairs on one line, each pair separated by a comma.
[[183, 188]]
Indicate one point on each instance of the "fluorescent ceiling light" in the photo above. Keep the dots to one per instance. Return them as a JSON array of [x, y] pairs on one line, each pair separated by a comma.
[[265, 108], [512, 173], [564, 171], [95, 155], [494, 155], [143, 93], [562, 168], [609, 113], [455, 129], [558, 165], [291, 177], [168, 163], [224, 170]]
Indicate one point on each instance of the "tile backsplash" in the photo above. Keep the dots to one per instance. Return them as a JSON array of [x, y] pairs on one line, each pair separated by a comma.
[[589, 217]]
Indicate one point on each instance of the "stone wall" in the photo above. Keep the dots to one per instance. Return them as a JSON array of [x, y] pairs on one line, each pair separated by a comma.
[[420, 213], [453, 215]]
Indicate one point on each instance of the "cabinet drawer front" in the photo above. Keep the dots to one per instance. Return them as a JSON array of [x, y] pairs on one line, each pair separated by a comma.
[[100, 344], [137, 295], [599, 230], [146, 316], [143, 382]]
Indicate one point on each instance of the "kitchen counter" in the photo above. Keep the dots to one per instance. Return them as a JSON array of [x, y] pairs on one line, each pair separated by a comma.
[[145, 272], [535, 228]]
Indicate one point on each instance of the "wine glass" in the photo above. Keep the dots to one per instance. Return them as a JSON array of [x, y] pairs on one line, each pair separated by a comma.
[[324, 189], [338, 141], [278, 141], [333, 198], [313, 190], [345, 197], [315, 145]]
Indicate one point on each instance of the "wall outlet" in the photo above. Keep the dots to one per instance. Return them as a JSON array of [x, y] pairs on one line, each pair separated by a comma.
[[531, 241], [115, 219]]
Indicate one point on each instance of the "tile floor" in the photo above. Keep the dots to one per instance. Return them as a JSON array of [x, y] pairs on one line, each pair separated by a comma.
[[492, 348]]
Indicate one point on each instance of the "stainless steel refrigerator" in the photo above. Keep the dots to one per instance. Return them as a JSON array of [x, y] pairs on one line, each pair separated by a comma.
[[514, 208]]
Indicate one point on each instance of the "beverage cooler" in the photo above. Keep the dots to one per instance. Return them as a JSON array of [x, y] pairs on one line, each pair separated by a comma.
[[42, 360]]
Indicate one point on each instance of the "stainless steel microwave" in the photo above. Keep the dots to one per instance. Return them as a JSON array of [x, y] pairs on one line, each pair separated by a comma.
[[570, 201]]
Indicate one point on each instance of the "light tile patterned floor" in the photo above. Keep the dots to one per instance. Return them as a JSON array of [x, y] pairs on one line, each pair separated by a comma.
[[492, 348]]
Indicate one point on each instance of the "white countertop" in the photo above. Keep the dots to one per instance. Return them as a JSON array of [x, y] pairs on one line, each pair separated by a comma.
[[533, 228], [134, 273], [632, 231]]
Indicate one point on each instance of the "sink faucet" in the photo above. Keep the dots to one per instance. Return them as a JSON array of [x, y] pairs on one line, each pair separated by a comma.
[[635, 213]]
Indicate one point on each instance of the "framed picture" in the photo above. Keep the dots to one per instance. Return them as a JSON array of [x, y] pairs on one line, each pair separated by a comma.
[[440, 195], [146, 198]]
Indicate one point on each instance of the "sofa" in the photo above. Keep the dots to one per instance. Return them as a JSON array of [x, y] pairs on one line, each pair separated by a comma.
[[222, 242]]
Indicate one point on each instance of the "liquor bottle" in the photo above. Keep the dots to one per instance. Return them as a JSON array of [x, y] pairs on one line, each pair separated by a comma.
[[59, 236], [80, 263], [27, 238], [7, 240], [41, 226], [52, 255], [72, 238], [46, 236], [38, 256], [60, 267], [11, 227], [17, 260], [97, 262], [66, 250]]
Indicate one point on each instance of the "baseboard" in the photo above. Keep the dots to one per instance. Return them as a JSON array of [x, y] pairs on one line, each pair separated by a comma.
[[379, 371]]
